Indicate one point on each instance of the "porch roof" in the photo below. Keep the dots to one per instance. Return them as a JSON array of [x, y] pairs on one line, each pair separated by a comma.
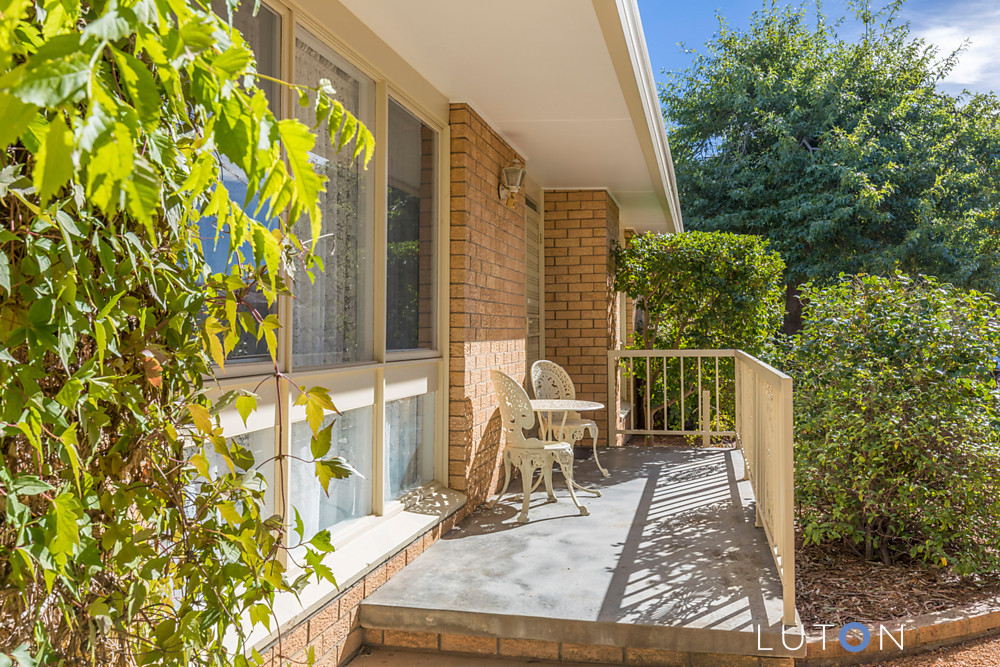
[[568, 83]]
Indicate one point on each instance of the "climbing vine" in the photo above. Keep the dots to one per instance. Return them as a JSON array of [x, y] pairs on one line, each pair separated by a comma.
[[119, 543]]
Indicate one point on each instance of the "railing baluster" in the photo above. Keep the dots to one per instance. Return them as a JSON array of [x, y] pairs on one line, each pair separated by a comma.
[[718, 420], [649, 414], [683, 413], [631, 387], [701, 407]]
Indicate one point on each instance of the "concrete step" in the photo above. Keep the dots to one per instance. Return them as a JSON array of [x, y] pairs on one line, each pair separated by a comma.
[[394, 658]]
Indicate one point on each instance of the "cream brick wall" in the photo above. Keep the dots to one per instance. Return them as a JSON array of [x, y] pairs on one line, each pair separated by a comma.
[[581, 309]]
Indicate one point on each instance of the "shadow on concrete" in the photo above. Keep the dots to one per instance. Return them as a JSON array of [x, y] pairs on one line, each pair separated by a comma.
[[668, 558]]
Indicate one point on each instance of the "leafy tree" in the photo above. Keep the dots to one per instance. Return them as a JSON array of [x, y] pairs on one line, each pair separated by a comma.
[[702, 289], [896, 425], [117, 544], [843, 154]]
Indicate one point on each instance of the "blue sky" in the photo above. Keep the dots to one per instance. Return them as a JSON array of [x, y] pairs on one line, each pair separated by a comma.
[[946, 23]]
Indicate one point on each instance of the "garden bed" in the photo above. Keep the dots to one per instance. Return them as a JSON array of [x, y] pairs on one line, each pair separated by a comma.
[[833, 586]]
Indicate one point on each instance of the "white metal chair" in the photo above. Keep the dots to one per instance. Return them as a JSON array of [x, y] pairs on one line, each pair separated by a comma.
[[551, 381], [528, 454]]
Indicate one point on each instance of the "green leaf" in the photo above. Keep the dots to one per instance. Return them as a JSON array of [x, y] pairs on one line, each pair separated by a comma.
[[70, 393], [232, 61], [200, 463], [66, 535], [55, 159], [141, 86], [229, 512], [199, 414], [4, 271], [14, 118], [298, 526], [246, 404], [335, 468], [30, 485], [321, 541], [111, 26], [260, 614], [69, 441], [51, 83], [320, 443], [298, 141]]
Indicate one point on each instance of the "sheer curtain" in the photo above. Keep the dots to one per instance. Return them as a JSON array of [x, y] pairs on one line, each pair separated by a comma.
[[332, 321], [349, 498], [409, 444]]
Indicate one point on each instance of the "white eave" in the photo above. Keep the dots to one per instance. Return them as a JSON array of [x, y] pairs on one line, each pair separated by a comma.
[[567, 82]]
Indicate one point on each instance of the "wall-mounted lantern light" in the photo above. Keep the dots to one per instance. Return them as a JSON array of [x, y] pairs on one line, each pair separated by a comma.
[[511, 182]]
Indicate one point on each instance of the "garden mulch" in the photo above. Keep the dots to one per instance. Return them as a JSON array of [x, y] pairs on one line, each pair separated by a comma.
[[832, 585]]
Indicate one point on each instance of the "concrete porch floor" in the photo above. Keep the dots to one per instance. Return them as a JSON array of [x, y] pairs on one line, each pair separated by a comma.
[[668, 559]]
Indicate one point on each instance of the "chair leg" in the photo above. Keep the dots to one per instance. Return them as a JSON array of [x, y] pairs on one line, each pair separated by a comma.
[[567, 471], [547, 475], [537, 482], [526, 471], [593, 435], [506, 479]]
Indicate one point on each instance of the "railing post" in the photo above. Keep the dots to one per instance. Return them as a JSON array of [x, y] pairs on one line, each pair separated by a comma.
[[787, 503]]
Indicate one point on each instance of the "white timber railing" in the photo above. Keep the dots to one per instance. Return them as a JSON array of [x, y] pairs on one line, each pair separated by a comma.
[[724, 394]]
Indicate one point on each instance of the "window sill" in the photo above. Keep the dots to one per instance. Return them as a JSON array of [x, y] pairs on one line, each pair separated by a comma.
[[384, 537]]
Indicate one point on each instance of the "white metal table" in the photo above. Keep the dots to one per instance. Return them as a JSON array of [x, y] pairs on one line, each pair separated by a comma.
[[563, 405], [544, 407]]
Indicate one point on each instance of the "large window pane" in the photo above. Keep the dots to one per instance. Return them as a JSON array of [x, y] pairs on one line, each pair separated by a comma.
[[261, 445], [333, 315], [263, 34], [350, 498], [409, 444], [410, 232]]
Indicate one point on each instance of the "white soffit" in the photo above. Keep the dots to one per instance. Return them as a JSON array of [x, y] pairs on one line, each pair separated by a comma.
[[566, 82]]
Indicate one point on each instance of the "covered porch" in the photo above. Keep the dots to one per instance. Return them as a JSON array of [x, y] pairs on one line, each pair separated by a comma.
[[668, 568]]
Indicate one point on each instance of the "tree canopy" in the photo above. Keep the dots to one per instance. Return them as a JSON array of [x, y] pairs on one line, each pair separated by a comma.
[[843, 153], [118, 543]]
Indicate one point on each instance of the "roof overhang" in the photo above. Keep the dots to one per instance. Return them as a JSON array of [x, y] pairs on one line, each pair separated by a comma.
[[567, 82]]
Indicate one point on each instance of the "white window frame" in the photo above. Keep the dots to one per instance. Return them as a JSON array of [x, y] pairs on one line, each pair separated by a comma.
[[349, 382]]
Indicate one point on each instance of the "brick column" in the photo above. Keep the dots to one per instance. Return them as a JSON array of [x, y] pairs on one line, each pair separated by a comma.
[[487, 301], [581, 310]]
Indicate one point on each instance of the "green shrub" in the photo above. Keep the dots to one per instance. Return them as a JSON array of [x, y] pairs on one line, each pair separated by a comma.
[[704, 290], [896, 443]]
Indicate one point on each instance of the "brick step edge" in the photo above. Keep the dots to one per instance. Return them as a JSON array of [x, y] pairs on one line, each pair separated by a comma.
[[533, 649], [919, 633]]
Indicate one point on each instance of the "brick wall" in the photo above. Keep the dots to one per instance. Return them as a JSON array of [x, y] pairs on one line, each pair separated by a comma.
[[487, 301], [581, 310]]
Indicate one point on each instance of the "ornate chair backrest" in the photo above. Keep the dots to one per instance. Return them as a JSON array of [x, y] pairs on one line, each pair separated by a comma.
[[550, 380], [515, 410]]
